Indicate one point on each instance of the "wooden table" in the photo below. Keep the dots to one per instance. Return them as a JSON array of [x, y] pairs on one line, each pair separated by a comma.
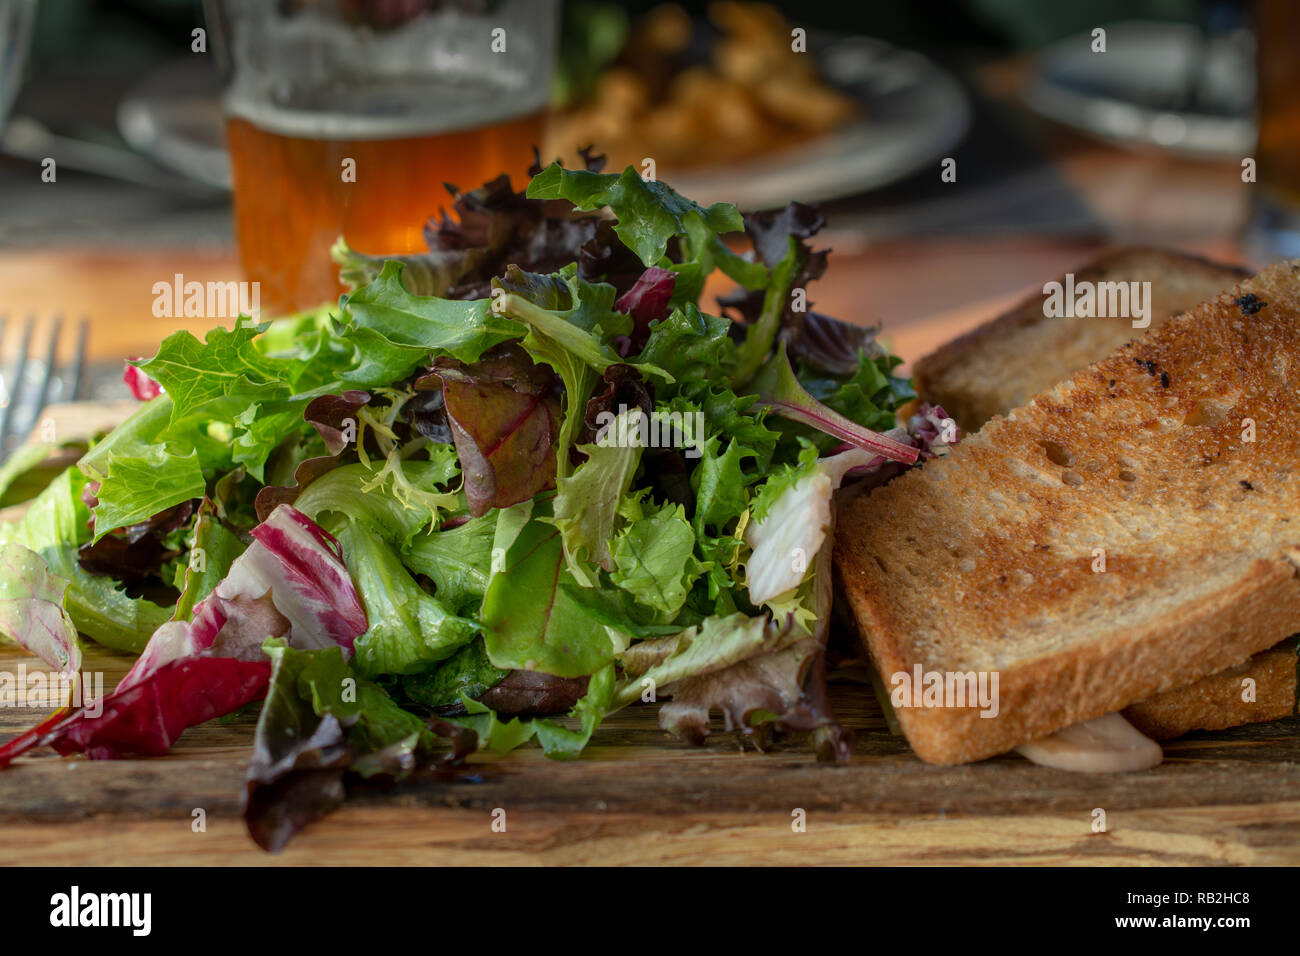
[[638, 797]]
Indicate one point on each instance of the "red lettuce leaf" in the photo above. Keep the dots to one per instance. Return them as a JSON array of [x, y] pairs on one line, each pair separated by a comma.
[[328, 414], [534, 694], [270, 497], [620, 387], [646, 302], [313, 739], [136, 553], [426, 413]]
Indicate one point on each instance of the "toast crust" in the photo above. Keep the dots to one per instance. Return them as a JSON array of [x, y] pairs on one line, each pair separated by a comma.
[[1215, 702], [987, 559], [1003, 363]]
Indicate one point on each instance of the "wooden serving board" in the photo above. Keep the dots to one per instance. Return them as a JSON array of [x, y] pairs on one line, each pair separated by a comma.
[[638, 797]]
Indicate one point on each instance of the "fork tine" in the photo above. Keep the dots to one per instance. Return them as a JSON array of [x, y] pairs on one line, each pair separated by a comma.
[[7, 413], [78, 374], [47, 375]]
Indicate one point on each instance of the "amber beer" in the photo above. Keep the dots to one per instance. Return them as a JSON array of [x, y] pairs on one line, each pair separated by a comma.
[[1275, 224], [344, 118], [295, 195]]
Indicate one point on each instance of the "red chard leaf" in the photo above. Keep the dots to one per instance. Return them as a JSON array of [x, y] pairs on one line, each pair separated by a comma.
[[504, 414], [147, 717]]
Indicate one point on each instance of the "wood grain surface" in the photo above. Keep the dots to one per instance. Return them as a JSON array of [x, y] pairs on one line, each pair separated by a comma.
[[638, 797]]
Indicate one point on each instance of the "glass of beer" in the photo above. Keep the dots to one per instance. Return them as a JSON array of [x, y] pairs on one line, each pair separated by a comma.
[[345, 118], [1274, 228]]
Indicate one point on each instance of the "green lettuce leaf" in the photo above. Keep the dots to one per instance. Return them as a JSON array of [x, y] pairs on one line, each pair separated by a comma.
[[530, 622], [690, 345], [761, 335], [360, 492], [394, 332], [457, 560], [468, 673], [649, 213], [225, 364], [586, 503], [654, 557], [139, 486], [213, 551], [408, 629]]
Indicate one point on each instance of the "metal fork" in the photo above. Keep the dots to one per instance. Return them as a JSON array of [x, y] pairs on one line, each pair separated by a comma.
[[34, 376]]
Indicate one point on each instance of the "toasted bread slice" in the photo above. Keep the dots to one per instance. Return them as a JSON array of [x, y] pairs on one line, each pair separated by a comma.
[[1130, 531], [982, 374], [1222, 700], [1005, 362]]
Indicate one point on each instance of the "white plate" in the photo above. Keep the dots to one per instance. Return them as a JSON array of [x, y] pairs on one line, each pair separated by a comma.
[[913, 114], [1162, 85]]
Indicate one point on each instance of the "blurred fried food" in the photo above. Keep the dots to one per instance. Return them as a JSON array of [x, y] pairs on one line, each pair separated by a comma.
[[756, 93]]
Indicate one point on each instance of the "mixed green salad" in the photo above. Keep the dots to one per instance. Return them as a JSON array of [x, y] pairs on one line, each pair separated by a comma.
[[499, 491]]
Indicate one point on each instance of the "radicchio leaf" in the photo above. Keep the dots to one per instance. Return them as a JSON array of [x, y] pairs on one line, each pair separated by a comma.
[[31, 609], [141, 385], [148, 716], [290, 581], [933, 430], [504, 413], [308, 580]]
